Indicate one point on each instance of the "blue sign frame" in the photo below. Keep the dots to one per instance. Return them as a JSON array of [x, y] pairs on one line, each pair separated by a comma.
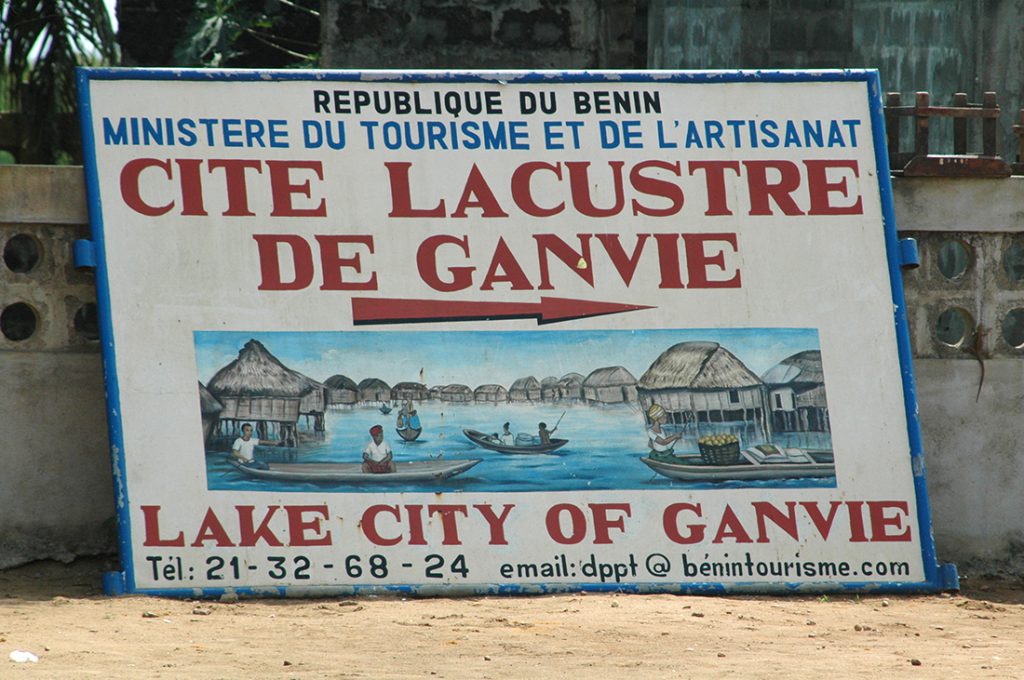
[[936, 576]]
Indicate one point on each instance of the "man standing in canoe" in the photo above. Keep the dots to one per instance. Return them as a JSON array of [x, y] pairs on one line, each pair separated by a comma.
[[377, 456]]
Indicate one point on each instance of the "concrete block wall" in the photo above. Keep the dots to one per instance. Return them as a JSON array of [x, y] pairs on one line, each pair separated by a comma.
[[965, 305], [56, 498], [56, 490]]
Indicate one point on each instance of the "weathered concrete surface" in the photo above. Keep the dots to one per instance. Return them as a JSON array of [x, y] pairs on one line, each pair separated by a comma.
[[973, 458], [972, 447], [51, 194], [56, 490], [974, 205]]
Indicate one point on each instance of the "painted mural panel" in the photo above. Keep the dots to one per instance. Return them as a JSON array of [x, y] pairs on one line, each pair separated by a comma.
[[698, 416], [482, 332]]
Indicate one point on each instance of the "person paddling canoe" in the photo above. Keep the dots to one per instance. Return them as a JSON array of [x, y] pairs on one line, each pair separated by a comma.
[[544, 434], [408, 418]]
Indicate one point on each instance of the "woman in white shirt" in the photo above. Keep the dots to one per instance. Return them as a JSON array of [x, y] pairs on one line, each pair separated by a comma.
[[658, 440]]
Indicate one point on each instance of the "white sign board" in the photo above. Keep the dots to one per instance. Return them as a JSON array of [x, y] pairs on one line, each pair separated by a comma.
[[503, 332]]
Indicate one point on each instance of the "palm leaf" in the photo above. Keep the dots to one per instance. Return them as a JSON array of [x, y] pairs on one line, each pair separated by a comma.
[[44, 41]]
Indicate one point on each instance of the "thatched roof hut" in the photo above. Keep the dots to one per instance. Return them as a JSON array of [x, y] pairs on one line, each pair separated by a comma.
[[209, 410], [490, 394], [525, 389], [341, 391], [549, 388], [435, 391], [697, 366], [796, 393], [373, 390], [410, 391], [702, 382], [610, 385], [802, 368], [208, 404], [570, 387], [258, 387], [457, 393]]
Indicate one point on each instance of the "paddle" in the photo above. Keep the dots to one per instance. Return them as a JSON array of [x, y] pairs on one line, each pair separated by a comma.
[[559, 421]]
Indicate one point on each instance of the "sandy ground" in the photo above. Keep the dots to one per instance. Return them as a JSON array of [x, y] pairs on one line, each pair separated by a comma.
[[59, 613]]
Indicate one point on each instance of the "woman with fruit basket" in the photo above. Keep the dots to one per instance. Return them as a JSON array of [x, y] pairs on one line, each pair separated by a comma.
[[659, 441]]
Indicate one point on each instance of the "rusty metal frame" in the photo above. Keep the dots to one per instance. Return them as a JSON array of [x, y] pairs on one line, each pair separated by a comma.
[[921, 162]]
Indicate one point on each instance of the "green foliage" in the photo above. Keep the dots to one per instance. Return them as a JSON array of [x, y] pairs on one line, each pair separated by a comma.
[[252, 34], [43, 41]]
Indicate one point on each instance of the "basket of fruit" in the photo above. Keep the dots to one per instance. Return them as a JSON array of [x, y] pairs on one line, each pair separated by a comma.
[[719, 449]]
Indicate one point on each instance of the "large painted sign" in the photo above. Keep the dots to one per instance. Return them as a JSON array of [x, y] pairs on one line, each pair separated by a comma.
[[503, 332]]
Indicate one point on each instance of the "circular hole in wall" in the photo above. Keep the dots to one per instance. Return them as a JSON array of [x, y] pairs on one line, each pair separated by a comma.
[[18, 321], [952, 326], [953, 259], [22, 253], [1013, 328], [1013, 261], [87, 323]]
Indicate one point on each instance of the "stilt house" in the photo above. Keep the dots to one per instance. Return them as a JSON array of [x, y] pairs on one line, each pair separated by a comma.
[[410, 391], [705, 388], [257, 388], [341, 391], [209, 409], [570, 387], [610, 385], [373, 391], [525, 389], [549, 388], [490, 394], [796, 393], [459, 394]]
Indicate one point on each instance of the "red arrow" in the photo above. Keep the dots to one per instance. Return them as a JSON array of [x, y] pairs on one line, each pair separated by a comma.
[[548, 310]]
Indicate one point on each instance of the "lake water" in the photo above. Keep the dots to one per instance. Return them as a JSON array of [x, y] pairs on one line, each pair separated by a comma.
[[604, 451]]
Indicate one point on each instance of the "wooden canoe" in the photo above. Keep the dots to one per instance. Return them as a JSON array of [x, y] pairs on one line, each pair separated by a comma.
[[409, 434], [405, 471], [489, 442], [694, 469]]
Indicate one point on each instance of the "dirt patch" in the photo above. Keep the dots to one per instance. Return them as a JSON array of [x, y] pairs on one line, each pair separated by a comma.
[[59, 613]]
